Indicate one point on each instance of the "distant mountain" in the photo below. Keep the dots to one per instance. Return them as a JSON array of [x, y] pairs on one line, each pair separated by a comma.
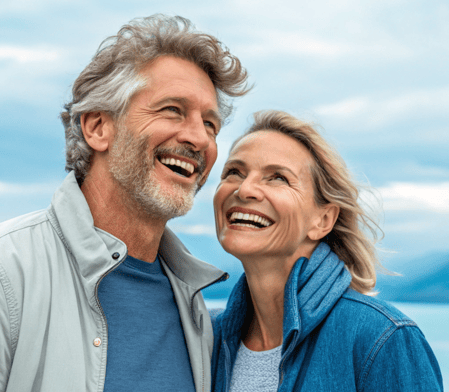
[[424, 279]]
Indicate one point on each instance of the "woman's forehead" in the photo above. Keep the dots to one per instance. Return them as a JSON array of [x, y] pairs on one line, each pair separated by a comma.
[[271, 141], [265, 148]]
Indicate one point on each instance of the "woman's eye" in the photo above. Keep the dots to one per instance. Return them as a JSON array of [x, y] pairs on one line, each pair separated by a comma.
[[230, 172], [279, 177]]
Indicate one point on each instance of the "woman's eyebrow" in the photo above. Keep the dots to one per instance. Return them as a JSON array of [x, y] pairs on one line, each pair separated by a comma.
[[279, 167], [235, 162], [273, 167]]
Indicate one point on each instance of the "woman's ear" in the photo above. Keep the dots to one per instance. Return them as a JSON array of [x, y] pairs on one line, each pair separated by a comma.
[[325, 222], [98, 130]]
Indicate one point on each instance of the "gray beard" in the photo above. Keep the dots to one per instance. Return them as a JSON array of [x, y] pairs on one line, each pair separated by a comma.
[[133, 169]]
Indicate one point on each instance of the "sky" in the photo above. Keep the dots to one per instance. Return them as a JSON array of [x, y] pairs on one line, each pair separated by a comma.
[[372, 74]]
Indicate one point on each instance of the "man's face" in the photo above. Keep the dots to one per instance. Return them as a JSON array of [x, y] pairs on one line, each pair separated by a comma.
[[165, 148]]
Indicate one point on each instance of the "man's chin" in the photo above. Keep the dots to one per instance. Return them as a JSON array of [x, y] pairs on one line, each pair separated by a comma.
[[163, 204]]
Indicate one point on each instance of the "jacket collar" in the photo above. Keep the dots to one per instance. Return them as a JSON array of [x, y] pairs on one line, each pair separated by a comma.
[[93, 248], [192, 271], [312, 289]]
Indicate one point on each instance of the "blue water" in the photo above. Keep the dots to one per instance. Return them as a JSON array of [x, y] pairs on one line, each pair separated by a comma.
[[433, 319]]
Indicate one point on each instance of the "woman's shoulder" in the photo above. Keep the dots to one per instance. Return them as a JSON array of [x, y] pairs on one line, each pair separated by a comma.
[[361, 307], [367, 324], [385, 343]]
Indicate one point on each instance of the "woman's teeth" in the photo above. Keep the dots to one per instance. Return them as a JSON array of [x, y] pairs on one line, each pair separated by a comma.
[[247, 220]]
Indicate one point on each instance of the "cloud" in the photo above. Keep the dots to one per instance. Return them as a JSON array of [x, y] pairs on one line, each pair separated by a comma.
[[372, 112], [23, 54], [404, 196], [269, 43], [199, 229], [27, 189], [345, 108], [33, 74]]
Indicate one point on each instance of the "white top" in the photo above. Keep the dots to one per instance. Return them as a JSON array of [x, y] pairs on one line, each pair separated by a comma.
[[256, 370]]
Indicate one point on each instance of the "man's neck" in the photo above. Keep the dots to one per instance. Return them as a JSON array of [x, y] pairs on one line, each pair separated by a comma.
[[121, 217]]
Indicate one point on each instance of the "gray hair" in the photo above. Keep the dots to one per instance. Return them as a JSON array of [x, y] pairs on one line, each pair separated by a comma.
[[112, 78]]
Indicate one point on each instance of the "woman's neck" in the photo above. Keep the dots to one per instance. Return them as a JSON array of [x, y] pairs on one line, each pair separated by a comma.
[[267, 277], [266, 283]]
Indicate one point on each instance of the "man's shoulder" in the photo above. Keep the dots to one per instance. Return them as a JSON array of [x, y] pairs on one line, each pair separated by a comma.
[[23, 223]]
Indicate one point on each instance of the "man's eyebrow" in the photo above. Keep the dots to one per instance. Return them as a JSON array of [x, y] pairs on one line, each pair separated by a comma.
[[182, 101], [186, 102]]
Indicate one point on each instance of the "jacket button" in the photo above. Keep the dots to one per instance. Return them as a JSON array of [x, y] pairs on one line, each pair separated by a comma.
[[115, 255], [97, 342]]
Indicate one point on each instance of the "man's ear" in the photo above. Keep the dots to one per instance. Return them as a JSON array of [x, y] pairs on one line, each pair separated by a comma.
[[325, 222], [98, 130]]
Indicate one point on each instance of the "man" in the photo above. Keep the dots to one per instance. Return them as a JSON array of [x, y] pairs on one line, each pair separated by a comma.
[[95, 292]]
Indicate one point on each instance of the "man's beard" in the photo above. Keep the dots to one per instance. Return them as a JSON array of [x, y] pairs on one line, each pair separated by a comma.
[[133, 169]]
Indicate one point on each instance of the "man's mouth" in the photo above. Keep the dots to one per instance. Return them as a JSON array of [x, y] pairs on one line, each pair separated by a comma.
[[178, 166], [251, 219]]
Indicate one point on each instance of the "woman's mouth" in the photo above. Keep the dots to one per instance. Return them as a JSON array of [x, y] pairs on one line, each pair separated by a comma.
[[247, 219]]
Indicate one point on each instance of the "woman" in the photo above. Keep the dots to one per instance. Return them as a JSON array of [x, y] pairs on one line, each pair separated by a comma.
[[301, 317]]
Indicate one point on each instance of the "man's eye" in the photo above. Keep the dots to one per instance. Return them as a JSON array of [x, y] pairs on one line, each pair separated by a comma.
[[210, 124], [172, 109]]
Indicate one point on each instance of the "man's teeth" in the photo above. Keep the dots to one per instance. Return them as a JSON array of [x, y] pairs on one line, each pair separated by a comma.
[[176, 162], [248, 217]]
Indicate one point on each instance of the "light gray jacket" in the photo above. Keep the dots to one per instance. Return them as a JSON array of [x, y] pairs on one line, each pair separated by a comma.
[[53, 332]]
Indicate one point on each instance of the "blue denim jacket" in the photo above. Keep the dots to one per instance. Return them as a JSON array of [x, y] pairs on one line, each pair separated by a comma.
[[335, 339]]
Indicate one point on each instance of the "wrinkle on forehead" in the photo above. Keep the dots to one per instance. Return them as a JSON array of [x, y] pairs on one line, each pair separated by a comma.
[[303, 171]]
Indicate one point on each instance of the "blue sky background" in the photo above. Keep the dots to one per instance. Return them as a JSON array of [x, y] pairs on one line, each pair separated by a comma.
[[373, 74]]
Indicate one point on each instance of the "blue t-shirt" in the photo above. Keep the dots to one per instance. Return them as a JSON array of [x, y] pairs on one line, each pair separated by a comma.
[[146, 345]]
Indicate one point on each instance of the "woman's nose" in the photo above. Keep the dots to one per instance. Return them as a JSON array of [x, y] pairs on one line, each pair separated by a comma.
[[249, 189]]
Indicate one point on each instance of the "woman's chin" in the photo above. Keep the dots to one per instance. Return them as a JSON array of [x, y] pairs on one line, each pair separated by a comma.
[[241, 247]]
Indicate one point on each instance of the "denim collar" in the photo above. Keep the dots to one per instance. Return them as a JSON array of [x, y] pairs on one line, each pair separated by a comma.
[[312, 289]]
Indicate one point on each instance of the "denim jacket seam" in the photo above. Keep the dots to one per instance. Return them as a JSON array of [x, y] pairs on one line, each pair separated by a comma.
[[378, 345], [378, 307]]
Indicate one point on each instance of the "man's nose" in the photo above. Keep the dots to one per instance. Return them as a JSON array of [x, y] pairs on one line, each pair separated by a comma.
[[194, 133]]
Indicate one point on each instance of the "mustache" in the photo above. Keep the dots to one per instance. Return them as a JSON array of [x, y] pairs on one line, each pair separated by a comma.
[[186, 152]]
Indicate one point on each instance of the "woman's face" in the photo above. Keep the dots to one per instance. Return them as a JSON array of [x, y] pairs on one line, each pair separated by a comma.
[[264, 203]]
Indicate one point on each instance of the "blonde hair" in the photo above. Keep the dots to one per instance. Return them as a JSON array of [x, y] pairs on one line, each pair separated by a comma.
[[111, 79], [355, 233]]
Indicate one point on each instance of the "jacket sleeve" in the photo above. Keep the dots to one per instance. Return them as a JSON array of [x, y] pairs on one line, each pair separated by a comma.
[[8, 328], [401, 361]]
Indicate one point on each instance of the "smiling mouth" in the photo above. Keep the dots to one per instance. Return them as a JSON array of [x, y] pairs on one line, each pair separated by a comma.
[[248, 220], [180, 167]]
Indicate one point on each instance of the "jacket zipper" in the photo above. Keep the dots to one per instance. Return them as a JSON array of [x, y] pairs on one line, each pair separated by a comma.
[[227, 365], [225, 276], [286, 354]]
